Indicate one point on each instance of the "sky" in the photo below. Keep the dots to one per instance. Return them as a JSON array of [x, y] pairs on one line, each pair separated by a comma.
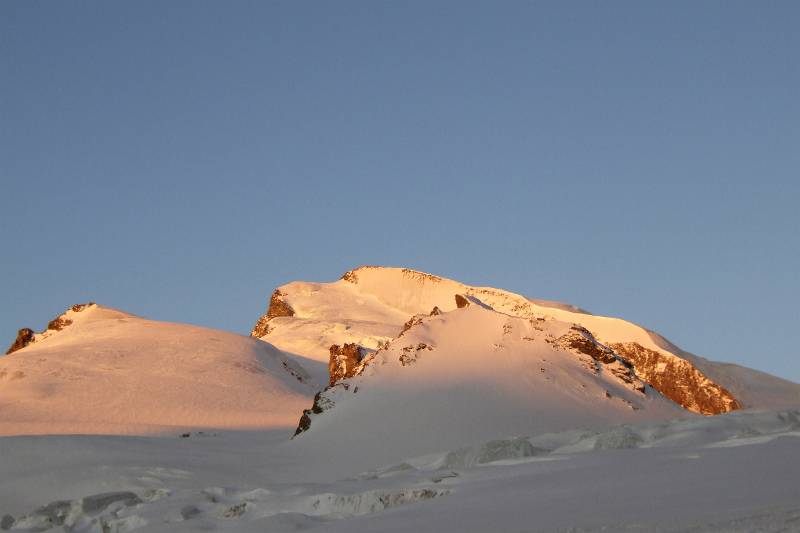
[[181, 160]]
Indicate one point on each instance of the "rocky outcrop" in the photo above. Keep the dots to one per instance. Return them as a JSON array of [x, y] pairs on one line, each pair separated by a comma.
[[410, 323], [581, 340], [675, 378], [80, 307], [343, 361], [346, 361], [678, 380], [465, 300], [350, 276], [262, 327], [410, 354], [321, 404], [24, 337], [305, 419], [418, 319], [59, 323], [277, 307]]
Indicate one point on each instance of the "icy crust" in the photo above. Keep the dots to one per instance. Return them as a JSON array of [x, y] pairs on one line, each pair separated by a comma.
[[445, 370], [106, 371], [369, 305]]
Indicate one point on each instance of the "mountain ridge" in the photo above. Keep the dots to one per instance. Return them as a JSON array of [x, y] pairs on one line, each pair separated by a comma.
[[368, 306]]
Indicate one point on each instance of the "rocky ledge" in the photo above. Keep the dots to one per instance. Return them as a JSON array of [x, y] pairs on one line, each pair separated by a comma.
[[678, 380], [27, 336], [343, 361], [277, 307]]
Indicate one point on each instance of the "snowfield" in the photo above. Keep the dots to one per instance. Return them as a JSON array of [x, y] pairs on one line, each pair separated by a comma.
[[734, 472]]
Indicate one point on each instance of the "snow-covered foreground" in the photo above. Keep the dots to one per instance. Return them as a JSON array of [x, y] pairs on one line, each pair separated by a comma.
[[734, 472]]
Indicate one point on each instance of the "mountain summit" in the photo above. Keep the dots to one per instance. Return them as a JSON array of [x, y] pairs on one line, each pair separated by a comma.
[[488, 361]]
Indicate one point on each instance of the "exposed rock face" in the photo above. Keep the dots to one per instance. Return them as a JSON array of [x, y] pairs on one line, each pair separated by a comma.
[[580, 340], [410, 323], [410, 354], [678, 380], [24, 338], [321, 404], [278, 307], [461, 301], [262, 327], [343, 362], [59, 323], [350, 276]]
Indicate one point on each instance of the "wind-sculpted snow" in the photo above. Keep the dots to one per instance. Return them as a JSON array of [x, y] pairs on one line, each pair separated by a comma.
[[215, 507], [490, 452]]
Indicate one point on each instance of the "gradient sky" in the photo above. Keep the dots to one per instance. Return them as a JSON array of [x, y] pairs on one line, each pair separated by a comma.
[[180, 160]]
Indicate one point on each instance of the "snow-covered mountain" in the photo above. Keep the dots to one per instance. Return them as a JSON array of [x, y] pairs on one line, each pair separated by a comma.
[[438, 407], [100, 370], [407, 348]]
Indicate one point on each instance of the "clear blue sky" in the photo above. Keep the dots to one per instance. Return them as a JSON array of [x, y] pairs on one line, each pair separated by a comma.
[[180, 160]]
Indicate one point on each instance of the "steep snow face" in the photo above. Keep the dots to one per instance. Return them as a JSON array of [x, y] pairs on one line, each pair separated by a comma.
[[110, 372], [369, 305], [471, 374]]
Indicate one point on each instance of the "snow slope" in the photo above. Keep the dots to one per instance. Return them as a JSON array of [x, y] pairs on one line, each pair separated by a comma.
[[110, 372], [472, 374], [369, 305]]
